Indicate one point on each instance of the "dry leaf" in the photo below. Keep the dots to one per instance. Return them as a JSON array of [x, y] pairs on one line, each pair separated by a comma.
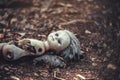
[[87, 32], [68, 5]]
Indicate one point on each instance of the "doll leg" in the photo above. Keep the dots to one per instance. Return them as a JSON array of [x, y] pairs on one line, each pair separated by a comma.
[[12, 52], [51, 60]]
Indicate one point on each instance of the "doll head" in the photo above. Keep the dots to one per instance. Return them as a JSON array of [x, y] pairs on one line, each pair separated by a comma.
[[65, 43], [58, 40]]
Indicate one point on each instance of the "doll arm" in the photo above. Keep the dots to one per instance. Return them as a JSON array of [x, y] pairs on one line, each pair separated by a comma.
[[32, 45], [11, 52]]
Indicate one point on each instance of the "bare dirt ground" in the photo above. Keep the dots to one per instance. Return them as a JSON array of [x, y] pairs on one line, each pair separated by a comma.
[[96, 23]]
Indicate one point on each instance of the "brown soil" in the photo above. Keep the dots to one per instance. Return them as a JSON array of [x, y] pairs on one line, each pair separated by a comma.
[[96, 23]]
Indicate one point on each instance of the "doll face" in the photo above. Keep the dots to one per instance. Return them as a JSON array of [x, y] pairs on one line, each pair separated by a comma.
[[58, 40]]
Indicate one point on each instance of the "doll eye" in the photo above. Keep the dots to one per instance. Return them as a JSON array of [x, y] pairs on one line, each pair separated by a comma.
[[29, 43], [59, 41], [56, 34]]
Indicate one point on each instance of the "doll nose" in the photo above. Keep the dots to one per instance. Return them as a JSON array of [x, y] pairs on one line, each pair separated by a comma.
[[55, 37]]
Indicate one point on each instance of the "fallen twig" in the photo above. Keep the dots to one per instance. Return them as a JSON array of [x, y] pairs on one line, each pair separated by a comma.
[[55, 76], [80, 76], [77, 20]]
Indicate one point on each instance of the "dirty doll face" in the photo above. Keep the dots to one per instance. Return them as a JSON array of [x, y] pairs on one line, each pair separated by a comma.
[[58, 40]]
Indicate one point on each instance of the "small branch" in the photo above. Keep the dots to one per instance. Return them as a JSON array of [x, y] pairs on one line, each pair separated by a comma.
[[80, 76], [55, 76]]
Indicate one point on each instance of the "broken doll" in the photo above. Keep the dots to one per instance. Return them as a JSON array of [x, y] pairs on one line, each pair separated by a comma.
[[63, 43]]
